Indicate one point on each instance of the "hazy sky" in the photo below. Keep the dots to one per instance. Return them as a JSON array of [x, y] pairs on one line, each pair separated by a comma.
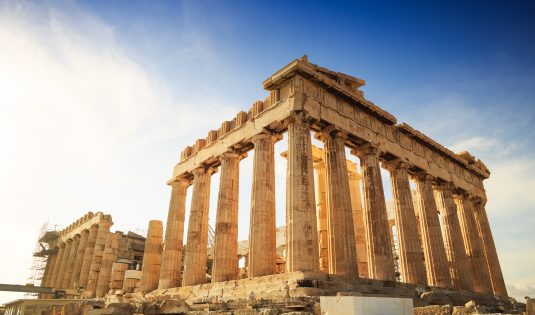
[[97, 99]]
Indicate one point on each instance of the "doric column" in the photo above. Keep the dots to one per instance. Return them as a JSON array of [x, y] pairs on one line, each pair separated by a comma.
[[225, 262], [436, 262], [460, 271], [49, 270], [88, 256], [96, 261], [197, 242], [54, 281], [380, 261], [489, 249], [472, 244], [342, 245], [170, 272], [301, 221], [70, 263], [411, 264], [79, 259], [262, 229], [109, 256], [63, 267], [358, 221], [152, 257], [322, 206], [117, 275]]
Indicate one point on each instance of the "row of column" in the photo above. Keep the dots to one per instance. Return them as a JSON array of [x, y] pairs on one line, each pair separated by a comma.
[[435, 259], [83, 261]]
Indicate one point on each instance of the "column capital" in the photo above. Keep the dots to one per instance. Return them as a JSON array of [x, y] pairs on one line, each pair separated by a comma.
[[331, 132], [266, 134], [203, 170], [299, 116], [232, 154], [422, 176], [367, 150], [180, 182], [395, 165]]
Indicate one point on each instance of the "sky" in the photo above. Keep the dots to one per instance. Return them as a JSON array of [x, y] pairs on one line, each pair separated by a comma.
[[98, 98]]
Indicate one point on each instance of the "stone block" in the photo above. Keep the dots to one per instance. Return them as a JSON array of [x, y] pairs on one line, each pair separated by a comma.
[[433, 310], [357, 305]]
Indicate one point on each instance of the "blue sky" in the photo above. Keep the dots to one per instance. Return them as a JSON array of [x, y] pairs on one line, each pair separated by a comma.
[[98, 98]]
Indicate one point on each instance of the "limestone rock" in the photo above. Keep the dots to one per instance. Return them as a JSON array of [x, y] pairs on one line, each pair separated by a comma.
[[433, 310]]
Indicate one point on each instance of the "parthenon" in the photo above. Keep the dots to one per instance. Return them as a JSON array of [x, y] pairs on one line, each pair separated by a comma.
[[445, 241]]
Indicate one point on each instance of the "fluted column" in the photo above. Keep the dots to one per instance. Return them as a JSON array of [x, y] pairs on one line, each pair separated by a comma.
[[225, 263], [49, 270], [472, 244], [262, 229], [64, 263], [88, 256], [301, 222], [70, 263], [109, 256], [460, 271], [197, 242], [96, 261], [342, 245], [358, 222], [411, 264], [436, 262], [489, 249], [170, 273], [54, 281], [322, 206], [380, 261], [79, 259]]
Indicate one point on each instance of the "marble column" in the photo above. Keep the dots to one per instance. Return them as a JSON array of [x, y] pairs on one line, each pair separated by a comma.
[[411, 264], [472, 244], [262, 229], [225, 262], [49, 270], [109, 256], [96, 261], [54, 281], [117, 275], [70, 262], [436, 262], [489, 249], [380, 260], [170, 272], [88, 256], [152, 257], [197, 241], [358, 222], [322, 206], [342, 245], [64, 263], [79, 259], [460, 271], [301, 221]]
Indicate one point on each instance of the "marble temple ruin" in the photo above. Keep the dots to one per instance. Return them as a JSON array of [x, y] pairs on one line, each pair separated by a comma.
[[338, 237], [444, 241]]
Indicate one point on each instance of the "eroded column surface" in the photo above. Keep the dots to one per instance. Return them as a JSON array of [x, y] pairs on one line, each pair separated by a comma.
[[170, 272], [117, 275], [88, 256], [460, 271], [225, 262], [342, 248], [49, 270], [96, 261], [262, 229], [79, 259], [71, 261], [322, 206], [152, 257], [54, 281], [301, 221], [197, 241], [109, 256], [436, 262], [64, 263], [489, 249], [358, 223], [411, 264], [380, 261], [472, 244]]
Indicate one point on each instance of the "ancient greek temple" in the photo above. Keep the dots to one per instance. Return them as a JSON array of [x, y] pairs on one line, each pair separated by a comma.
[[444, 236]]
